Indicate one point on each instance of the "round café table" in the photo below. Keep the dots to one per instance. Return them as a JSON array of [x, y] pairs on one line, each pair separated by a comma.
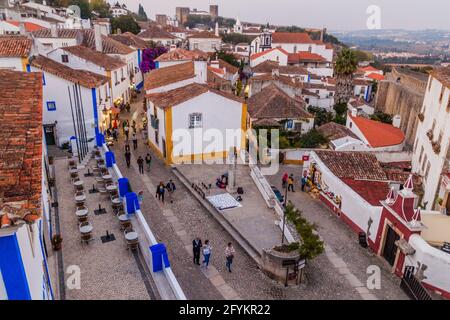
[[86, 229], [80, 198], [111, 187], [130, 236], [81, 213]]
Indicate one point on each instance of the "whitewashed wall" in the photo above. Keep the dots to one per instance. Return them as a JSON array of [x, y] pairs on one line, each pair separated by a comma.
[[11, 63], [274, 55]]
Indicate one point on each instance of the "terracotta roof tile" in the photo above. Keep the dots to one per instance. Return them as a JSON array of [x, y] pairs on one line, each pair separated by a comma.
[[228, 67], [182, 54], [20, 146], [268, 65], [203, 35], [167, 75], [378, 134], [305, 56], [61, 33], [154, 32], [353, 165], [272, 102], [443, 75], [15, 46], [334, 131], [371, 191], [291, 37], [29, 26], [110, 46], [177, 96], [83, 77], [263, 53], [98, 58], [130, 39], [376, 76]]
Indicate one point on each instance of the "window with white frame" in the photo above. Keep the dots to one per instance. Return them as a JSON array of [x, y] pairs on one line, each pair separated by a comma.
[[195, 120]]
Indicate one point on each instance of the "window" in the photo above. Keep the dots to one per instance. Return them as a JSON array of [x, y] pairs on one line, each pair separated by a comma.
[[425, 159], [64, 44], [428, 170], [442, 94], [421, 154], [51, 105], [115, 78], [121, 75], [64, 58], [213, 46], [195, 120], [310, 49], [195, 45]]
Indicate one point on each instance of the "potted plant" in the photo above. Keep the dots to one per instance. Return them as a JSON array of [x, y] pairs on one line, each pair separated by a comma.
[[56, 242]]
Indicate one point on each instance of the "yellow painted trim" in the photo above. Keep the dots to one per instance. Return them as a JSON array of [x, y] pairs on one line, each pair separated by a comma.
[[24, 63], [291, 161], [190, 158], [168, 132], [243, 126], [155, 149]]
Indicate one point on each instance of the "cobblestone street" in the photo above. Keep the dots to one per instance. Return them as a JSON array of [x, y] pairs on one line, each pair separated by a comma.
[[341, 239], [323, 282]]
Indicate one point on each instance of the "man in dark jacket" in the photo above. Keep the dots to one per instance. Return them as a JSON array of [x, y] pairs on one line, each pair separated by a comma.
[[196, 248], [128, 157]]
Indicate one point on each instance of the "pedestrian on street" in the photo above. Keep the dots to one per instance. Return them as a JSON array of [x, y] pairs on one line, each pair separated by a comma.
[[291, 183], [134, 141], [127, 131], [229, 255], [196, 247], [303, 183], [115, 134], [170, 186], [128, 107], [284, 180], [127, 146], [206, 253], [140, 163], [128, 157], [148, 161], [124, 124], [160, 189]]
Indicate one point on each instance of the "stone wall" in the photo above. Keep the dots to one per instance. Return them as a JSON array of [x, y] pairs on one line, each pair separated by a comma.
[[403, 93]]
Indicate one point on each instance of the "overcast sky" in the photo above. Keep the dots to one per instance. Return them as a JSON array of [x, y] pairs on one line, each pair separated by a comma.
[[333, 14]]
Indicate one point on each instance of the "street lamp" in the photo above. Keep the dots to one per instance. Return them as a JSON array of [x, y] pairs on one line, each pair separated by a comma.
[[284, 212]]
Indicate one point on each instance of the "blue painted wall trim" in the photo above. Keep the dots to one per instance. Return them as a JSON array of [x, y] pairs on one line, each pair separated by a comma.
[[139, 58], [13, 271], [45, 262], [140, 85], [28, 68], [94, 104]]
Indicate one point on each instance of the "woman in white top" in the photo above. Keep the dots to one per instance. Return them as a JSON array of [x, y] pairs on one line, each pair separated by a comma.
[[229, 255]]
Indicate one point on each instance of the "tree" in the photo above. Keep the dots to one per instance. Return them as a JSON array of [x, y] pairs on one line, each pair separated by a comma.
[[321, 116], [228, 57], [101, 7], [85, 10], [346, 65], [382, 117], [125, 23], [312, 139], [236, 38], [141, 13]]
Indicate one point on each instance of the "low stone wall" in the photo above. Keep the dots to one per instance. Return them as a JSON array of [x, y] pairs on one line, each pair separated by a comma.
[[272, 266]]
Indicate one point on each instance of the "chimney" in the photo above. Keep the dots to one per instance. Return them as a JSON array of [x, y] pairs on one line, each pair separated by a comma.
[[118, 31], [397, 120], [217, 29], [53, 30], [22, 29], [98, 38], [353, 111], [275, 72]]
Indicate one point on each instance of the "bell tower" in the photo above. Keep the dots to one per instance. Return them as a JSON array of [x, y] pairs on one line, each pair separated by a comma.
[[266, 40]]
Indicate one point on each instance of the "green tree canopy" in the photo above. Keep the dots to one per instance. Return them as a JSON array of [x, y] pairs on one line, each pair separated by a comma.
[[312, 139], [125, 23], [141, 13]]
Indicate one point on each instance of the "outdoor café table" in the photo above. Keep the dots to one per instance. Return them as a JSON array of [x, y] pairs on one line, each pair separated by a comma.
[[81, 213], [86, 229], [124, 217], [107, 177], [116, 201], [78, 183], [111, 187], [73, 170], [80, 198], [130, 236]]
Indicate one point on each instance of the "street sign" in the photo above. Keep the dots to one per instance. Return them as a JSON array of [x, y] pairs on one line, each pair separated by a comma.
[[301, 264], [289, 262]]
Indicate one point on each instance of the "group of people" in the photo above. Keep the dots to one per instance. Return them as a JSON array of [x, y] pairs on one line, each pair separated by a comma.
[[161, 190], [206, 250], [288, 181]]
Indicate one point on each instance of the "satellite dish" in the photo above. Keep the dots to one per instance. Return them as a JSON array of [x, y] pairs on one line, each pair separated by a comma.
[[74, 11]]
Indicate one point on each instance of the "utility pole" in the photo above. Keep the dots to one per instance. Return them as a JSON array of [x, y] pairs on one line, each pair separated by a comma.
[[284, 212]]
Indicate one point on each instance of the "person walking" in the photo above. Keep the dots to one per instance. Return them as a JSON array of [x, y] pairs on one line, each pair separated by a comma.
[[304, 180], [170, 186], [128, 157], [229, 255], [140, 163], [115, 134], [128, 107], [127, 131], [196, 247], [124, 125], [134, 141], [284, 180], [206, 253], [291, 183], [160, 190], [148, 161], [127, 146]]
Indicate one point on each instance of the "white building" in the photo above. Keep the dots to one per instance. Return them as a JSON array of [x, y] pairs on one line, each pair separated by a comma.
[[431, 149], [60, 108], [14, 52], [25, 231], [376, 135], [179, 55], [159, 35], [83, 58], [183, 120], [118, 10], [341, 138], [46, 40], [204, 41], [278, 55]]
